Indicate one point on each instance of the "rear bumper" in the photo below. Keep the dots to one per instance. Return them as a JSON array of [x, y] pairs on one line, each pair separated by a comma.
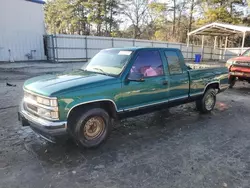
[[51, 131]]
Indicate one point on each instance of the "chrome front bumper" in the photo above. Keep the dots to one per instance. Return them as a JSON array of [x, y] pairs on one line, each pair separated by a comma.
[[240, 74], [49, 130]]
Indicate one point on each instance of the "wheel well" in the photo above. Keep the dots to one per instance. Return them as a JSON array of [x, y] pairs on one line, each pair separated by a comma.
[[106, 105], [213, 86]]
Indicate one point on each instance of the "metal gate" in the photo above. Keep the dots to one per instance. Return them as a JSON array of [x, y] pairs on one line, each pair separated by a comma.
[[63, 48]]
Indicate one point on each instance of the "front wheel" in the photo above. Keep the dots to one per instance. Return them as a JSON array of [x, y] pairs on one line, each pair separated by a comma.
[[92, 128], [207, 103], [232, 81]]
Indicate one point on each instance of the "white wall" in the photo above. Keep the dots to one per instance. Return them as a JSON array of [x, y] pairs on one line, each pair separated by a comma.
[[21, 29]]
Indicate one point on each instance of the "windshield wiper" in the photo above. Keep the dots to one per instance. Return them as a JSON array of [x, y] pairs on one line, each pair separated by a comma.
[[96, 68]]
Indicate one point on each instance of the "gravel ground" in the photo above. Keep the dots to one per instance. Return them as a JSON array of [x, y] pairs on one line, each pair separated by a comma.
[[175, 148]]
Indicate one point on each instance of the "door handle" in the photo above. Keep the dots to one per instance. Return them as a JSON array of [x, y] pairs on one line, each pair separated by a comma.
[[165, 82]]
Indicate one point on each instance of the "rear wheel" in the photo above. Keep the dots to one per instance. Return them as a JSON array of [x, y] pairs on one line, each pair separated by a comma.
[[207, 103], [92, 128]]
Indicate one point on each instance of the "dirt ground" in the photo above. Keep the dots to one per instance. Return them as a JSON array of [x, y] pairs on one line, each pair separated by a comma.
[[175, 148]]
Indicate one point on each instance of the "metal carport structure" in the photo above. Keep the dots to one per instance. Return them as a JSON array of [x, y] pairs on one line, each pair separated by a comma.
[[220, 29]]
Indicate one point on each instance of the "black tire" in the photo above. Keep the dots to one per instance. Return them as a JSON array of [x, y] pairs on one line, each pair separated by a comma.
[[201, 104], [232, 81], [79, 130]]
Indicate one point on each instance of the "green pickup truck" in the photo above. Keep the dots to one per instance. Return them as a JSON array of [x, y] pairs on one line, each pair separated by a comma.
[[116, 83]]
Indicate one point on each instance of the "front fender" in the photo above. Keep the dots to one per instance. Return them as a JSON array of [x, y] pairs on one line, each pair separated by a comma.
[[69, 104], [68, 101]]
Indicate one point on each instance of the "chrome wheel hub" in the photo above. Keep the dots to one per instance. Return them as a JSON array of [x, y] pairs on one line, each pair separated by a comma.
[[209, 101]]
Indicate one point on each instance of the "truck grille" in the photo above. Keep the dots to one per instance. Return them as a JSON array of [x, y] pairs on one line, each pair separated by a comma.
[[242, 63], [32, 108], [244, 69]]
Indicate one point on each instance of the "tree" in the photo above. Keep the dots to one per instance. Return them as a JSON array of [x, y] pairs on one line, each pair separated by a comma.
[[229, 4], [222, 11], [158, 15], [57, 16], [219, 15], [195, 6], [181, 20], [136, 12], [192, 5], [79, 22], [167, 20], [81, 16], [96, 14], [112, 9], [174, 10]]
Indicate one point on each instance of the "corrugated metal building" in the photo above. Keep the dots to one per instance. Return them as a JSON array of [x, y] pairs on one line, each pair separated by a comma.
[[21, 30]]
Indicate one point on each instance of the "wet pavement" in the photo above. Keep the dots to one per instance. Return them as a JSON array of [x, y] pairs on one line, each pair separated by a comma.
[[170, 148]]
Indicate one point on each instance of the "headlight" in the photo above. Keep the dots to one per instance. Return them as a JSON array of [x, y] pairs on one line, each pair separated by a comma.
[[229, 63], [44, 107], [46, 101], [47, 113]]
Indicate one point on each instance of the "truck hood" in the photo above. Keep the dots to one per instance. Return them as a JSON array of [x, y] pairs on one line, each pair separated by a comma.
[[241, 61], [241, 58], [49, 85]]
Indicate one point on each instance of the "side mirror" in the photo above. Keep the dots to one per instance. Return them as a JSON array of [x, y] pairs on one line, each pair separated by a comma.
[[136, 77]]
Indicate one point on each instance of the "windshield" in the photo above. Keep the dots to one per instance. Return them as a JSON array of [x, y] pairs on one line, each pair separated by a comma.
[[109, 62], [246, 53]]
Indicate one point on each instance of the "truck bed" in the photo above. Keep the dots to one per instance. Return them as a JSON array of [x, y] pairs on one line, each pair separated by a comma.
[[199, 78], [205, 65]]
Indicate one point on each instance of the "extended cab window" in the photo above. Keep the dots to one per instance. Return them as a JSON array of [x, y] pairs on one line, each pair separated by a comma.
[[173, 62], [148, 63]]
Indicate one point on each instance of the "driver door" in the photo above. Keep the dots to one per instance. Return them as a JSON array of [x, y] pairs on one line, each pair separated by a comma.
[[154, 86]]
